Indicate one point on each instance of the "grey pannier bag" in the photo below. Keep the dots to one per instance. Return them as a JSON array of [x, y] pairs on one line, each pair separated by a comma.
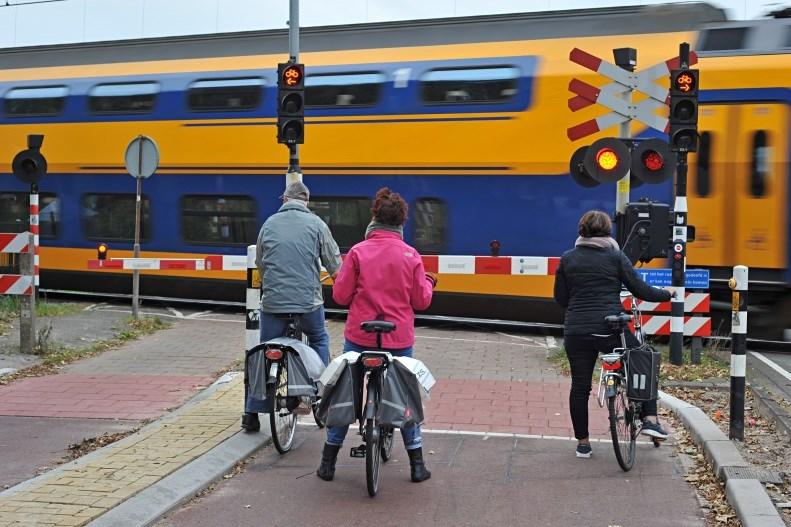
[[642, 373], [400, 405], [340, 401]]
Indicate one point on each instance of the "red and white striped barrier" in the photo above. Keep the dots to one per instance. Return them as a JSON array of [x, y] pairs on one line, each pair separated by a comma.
[[209, 263], [13, 242], [660, 324], [34, 228], [15, 284]]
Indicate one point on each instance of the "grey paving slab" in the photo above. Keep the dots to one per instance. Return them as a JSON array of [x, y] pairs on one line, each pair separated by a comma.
[[28, 444], [752, 504]]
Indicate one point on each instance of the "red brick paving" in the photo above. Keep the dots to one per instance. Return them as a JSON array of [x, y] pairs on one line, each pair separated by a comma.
[[529, 407], [98, 396]]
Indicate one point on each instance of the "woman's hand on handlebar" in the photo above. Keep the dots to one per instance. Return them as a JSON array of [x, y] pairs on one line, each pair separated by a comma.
[[434, 280]]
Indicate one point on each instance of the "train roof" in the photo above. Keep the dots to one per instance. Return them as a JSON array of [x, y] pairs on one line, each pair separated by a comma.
[[428, 32]]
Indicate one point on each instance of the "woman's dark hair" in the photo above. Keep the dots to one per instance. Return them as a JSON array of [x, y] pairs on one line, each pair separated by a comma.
[[594, 223], [389, 208]]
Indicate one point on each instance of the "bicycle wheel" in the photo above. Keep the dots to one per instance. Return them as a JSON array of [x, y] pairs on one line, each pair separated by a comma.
[[623, 430], [282, 422], [373, 452], [387, 442]]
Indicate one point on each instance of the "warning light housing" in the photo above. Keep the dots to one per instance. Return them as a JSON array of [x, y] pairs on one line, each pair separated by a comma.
[[652, 161], [291, 103], [684, 110], [607, 159], [101, 251]]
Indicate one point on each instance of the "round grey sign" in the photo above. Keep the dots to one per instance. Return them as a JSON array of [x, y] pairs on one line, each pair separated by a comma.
[[142, 157]]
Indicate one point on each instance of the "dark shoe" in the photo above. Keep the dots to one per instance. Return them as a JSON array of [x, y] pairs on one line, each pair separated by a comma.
[[654, 430], [326, 470], [584, 450], [419, 472], [250, 422]]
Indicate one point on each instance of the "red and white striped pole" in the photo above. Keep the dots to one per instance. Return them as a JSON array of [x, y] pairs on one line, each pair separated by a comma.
[[34, 229]]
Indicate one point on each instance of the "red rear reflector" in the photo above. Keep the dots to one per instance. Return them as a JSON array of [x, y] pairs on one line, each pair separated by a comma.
[[611, 366], [273, 354], [373, 362]]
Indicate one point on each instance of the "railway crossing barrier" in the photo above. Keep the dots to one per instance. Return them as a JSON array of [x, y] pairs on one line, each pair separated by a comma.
[[655, 316], [22, 284]]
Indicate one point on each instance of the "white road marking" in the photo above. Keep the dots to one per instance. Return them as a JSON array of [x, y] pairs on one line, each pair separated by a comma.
[[176, 312], [528, 339], [167, 315], [772, 364], [201, 314], [470, 340]]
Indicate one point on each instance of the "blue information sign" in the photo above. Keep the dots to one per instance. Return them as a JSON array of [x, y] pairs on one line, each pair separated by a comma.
[[695, 278]]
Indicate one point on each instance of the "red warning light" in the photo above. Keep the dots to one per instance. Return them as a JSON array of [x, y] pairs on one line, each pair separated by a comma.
[[607, 159], [685, 82], [292, 75], [653, 160]]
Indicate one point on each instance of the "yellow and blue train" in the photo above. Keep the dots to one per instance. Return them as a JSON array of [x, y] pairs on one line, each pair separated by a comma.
[[466, 117]]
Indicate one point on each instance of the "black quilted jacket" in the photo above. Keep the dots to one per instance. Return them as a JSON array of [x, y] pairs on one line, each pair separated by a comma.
[[588, 284]]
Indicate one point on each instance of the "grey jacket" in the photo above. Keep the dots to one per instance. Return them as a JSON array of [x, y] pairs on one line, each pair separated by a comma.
[[292, 245]]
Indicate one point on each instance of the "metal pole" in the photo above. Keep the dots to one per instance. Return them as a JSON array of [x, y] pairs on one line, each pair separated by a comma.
[[27, 320], [738, 350], [679, 238], [136, 273], [293, 52]]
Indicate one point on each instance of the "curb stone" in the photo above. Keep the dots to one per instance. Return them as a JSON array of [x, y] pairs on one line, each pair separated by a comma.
[[748, 497]]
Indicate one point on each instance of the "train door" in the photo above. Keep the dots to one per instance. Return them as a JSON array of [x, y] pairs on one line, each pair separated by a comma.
[[737, 187], [761, 181], [709, 187]]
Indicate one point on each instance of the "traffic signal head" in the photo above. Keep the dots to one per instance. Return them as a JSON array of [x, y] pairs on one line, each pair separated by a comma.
[[683, 116], [101, 251], [652, 161], [607, 160], [290, 103], [29, 166], [577, 169]]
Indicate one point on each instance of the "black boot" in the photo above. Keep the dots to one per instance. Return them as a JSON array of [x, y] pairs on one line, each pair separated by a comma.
[[326, 470], [417, 466], [250, 422]]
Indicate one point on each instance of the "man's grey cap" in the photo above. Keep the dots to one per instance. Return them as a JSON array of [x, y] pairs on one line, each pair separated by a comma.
[[297, 190]]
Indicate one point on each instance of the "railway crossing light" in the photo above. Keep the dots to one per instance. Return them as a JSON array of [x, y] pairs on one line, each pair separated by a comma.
[[101, 251], [684, 110], [291, 103], [607, 160], [652, 161], [29, 165]]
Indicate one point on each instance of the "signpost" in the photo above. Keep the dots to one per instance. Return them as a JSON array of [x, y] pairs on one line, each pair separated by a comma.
[[141, 160]]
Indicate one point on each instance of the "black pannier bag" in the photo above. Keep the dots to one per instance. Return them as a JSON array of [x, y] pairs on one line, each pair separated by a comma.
[[642, 373], [340, 401], [400, 405]]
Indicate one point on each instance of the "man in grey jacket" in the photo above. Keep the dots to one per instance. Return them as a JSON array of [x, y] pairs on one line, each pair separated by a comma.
[[292, 246]]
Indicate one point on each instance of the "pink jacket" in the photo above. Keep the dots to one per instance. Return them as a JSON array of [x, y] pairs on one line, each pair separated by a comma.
[[382, 277]]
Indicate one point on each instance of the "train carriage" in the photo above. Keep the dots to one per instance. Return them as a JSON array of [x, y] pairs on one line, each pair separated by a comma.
[[466, 117]]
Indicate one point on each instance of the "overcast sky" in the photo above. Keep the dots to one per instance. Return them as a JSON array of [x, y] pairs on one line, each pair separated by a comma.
[[61, 21]]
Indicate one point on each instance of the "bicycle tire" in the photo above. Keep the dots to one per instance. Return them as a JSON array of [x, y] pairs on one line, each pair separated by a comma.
[[373, 452], [387, 433], [282, 423], [623, 430]]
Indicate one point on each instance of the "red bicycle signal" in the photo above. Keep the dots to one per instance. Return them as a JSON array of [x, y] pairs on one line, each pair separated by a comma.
[[685, 83], [292, 75]]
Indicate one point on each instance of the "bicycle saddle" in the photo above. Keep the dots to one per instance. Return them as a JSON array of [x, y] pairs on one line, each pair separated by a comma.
[[618, 321], [377, 326]]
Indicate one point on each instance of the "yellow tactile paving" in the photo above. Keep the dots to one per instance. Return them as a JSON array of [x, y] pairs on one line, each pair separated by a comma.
[[86, 491]]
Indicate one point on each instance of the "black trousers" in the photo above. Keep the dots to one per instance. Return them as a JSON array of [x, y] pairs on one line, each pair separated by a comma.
[[582, 351]]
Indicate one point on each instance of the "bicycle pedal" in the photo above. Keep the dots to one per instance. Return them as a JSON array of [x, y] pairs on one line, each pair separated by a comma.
[[358, 451]]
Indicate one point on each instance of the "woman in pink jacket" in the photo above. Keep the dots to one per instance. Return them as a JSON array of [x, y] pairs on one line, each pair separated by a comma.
[[382, 278]]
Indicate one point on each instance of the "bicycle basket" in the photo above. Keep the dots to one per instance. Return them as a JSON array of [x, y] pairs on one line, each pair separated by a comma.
[[642, 379]]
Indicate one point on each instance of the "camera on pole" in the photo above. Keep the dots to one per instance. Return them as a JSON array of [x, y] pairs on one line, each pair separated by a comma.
[[291, 103], [684, 110]]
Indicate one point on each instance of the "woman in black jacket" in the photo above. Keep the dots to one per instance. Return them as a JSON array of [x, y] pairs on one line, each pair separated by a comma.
[[588, 285]]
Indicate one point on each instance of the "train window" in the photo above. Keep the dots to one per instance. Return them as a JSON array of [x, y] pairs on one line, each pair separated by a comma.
[[759, 167], [347, 217], [225, 220], [212, 95], [134, 97], [35, 102], [108, 217], [469, 85], [343, 89], [430, 220], [721, 39], [15, 213], [703, 174]]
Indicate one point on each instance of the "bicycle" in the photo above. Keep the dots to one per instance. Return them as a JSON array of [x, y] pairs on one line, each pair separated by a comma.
[[285, 408], [378, 438], [624, 414]]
